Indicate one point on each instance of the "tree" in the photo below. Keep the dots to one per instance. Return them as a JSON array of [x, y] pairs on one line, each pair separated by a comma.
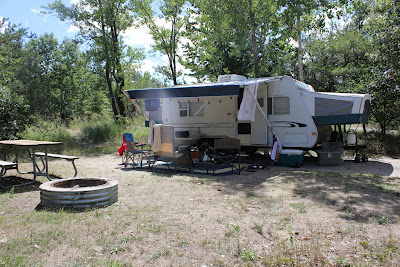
[[383, 27], [260, 22], [11, 51], [339, 61], [230, 36], [385, 92], [101, 22], [13, 114], [35, 74], [166, 39], [74, 84], [300, 14]]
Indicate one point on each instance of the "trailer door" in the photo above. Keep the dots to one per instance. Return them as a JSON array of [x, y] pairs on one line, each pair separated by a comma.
[[259, 128]]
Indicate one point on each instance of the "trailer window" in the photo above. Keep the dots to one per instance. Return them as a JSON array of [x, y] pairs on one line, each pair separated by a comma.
[[278, 105], [244, 128], [196, 108], [281, 105], [183, 109], [191, 109]]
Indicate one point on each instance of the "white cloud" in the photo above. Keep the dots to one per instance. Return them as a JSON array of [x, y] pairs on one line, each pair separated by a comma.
[[138, 37], [73, 29], [148, 65], [40, 13], [35, 11]]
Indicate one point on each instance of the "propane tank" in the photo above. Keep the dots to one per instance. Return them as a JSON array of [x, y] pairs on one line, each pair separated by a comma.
[[351, 138]]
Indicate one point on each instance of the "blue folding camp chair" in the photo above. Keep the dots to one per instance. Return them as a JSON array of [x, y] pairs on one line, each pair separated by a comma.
[[134, 153]]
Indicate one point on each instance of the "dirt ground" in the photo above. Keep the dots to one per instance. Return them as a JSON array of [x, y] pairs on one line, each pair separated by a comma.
[[309, 216]]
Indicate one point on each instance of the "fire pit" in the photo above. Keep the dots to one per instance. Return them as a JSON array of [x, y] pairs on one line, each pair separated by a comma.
[[79, 193]]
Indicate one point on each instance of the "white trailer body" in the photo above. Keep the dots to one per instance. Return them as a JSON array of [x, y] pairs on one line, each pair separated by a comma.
[[285, 107]]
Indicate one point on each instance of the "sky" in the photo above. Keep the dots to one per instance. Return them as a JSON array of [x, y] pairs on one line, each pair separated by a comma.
[[26, 13]]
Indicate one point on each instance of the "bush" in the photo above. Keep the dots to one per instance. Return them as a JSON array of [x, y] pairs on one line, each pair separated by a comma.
[[381, 144], [50, 131], [13, 114], [102, 130]]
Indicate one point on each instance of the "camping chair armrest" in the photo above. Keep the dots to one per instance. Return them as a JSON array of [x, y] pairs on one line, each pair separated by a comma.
[[142, 145]]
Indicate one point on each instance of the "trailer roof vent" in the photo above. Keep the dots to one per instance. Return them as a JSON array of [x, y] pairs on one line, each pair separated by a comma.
[[231, 78]]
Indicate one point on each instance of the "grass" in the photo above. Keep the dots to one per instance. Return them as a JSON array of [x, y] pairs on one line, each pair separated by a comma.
[[266, 218], [97, 135], [101, 134], [148, 228]]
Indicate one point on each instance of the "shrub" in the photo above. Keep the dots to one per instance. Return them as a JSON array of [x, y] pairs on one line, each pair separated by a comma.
[[50, 131], [13, 114], [379, 144], [102, 130]]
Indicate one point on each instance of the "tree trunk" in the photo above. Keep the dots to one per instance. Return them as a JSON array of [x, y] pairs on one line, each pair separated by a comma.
[[254, 40], [107, 76], [300, 51], [172, 58], [110, 92], [118, 73]]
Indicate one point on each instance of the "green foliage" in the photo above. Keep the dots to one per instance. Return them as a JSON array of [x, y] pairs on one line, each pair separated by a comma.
[[102, 23], [168, 38], [54, 79], [338, 61], [11, 43], [101, 130], [247, 255], [13, 114], [228, 37], [55, 131], [92, 135], [386, 101], [383, 25], [378, 144]]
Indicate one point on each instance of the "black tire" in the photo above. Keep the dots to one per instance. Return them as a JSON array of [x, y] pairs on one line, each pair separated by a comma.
[[79, 193]]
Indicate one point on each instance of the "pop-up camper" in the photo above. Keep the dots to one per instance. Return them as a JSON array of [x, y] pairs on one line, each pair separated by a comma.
[[253, 111]]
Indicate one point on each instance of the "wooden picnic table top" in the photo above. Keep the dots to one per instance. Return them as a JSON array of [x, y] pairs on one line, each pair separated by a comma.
[[28, 143]]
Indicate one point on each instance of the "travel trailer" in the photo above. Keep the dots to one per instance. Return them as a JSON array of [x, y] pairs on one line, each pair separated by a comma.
[[255, 111]]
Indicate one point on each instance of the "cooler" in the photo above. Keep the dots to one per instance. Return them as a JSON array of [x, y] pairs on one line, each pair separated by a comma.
[[291, 158]]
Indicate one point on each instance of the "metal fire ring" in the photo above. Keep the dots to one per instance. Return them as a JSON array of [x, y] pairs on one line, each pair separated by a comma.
[[79, 193]]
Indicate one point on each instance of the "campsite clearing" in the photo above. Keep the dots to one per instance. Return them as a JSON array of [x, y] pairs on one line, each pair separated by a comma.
[[334, 216]]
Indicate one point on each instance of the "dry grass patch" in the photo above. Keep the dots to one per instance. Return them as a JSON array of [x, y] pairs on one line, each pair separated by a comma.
[[274, 217]]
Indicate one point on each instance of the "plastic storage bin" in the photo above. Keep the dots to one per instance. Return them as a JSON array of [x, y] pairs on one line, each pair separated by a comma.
[[291, 158], [330, 158]]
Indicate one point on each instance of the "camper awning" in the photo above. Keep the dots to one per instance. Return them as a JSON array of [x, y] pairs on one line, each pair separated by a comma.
[[197, 90], [201, 90]]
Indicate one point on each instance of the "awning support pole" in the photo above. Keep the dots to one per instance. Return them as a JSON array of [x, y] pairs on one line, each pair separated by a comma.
[[140, 109]]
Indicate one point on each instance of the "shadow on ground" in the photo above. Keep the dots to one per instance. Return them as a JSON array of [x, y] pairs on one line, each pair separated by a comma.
[[358, 191], [10, 181]]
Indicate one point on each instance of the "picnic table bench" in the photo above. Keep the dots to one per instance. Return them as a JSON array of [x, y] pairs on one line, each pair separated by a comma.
[[5, 165], [58, 156]]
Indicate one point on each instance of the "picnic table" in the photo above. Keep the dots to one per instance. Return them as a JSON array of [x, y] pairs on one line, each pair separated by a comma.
[[32, 146]]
